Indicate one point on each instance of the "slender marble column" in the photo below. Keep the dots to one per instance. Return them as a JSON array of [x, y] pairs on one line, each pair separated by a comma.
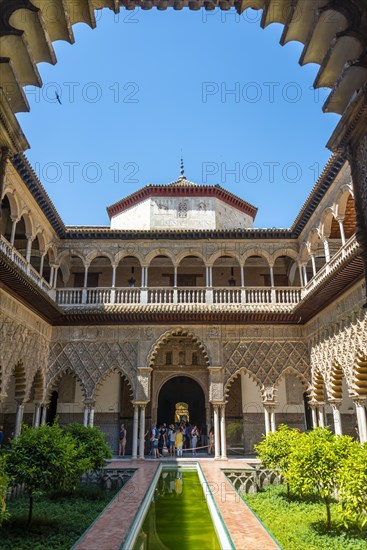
[[13, 228], [305, 275], [29, 249], [44, 414], [91, 416], [135, 432], [337, 418], [272, 419], [41, 264], [37, 412], [85, 415], [271, 269], [361, 419], [216, 433], [313, 262], [267, 420], [223, 432], [142, 432], [327, 250], [314, 416], [18, 420], [321, 416], [342, 232]]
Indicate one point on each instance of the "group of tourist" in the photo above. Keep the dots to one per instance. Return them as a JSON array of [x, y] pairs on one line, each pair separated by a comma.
[[174, 439]]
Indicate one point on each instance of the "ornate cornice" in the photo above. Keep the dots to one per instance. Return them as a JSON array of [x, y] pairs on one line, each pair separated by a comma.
[[30, 179]]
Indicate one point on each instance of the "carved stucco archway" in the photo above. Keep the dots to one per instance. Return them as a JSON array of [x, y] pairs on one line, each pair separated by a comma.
[[90, 361], [176, 332], [161, 374]]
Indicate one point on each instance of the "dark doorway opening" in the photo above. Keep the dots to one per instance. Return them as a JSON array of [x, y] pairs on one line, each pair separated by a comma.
[[308, 412], [52, 409], [181, 389]]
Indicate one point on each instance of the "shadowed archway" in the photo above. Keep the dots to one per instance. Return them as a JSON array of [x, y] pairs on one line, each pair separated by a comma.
[[181, 389]]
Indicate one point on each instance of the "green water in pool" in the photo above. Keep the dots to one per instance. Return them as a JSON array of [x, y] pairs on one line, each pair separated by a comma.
[[178, 517]]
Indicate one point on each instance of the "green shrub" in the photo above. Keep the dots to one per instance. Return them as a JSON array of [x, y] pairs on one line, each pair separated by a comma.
[[45, 459], [352, 484], [276, 448], [314, 463], [4, 484], [93, 443]]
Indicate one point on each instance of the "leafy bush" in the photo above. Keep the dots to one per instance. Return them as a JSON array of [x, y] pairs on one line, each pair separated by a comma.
[[45, 459], [4, 483], [314, 463], [92, 442], [352, 483], [276, 448]]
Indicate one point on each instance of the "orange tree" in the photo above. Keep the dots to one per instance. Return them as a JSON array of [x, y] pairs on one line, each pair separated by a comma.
[[314, 464], [45, 459]]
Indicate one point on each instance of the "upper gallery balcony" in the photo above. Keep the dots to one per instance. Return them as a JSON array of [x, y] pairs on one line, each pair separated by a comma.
[[253, 286]]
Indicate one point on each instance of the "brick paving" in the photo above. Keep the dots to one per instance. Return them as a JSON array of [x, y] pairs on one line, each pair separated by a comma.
[[246, 532], [110, 529]]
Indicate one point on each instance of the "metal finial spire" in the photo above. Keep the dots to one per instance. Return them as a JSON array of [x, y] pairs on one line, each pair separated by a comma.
[[182, 169]]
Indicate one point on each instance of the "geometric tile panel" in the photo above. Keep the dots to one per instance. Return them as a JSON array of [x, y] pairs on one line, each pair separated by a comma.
[[91, 361]]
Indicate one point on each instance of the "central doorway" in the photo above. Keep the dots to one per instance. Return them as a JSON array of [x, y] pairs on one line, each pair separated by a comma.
[[181, 389]]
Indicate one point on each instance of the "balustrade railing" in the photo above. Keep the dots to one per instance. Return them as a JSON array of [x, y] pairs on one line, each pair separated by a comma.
[[169, 295], [19, 260], [191, 295], [127, 295], [161, 296], [350, 247], [227, 295], [179, 295]]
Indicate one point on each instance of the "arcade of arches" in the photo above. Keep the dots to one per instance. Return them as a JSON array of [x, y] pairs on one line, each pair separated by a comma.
[[248, 328]]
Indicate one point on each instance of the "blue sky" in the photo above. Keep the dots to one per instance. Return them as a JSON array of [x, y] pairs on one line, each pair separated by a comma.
[[145, 85]]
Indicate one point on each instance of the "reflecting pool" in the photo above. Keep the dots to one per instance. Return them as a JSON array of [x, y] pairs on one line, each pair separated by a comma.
[[178, 517]]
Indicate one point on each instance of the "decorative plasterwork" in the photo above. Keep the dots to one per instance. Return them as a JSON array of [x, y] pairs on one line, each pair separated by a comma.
[[164, 339], [265, 361], [20, 344], [340, 345], [90, 362]]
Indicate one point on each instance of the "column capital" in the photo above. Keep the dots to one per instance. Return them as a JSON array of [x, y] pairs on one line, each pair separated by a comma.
[[89, 402], [214, 368], [335, 403], [270, 406], [140, 403], [144, 369], [360, 400]]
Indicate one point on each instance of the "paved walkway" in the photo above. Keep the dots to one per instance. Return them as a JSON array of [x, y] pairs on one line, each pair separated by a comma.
[[110, 529]]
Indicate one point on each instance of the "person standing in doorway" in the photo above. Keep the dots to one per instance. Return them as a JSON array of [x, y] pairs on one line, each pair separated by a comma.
[[211, 441], [122, 440], [194, 439], [179, 441]]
